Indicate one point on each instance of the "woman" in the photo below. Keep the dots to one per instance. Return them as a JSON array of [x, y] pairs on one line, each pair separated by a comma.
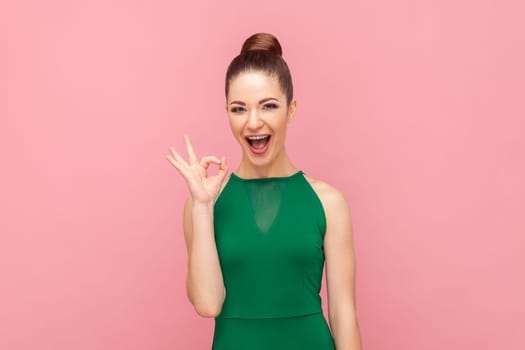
[[257, 240]]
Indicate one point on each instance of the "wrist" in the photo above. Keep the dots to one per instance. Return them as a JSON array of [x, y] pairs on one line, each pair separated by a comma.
[[197, 205]]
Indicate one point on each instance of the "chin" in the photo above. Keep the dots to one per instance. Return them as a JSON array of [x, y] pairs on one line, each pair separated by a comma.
[[261, 160]]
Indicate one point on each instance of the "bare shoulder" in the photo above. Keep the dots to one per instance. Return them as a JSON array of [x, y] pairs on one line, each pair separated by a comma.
[[332, 198]]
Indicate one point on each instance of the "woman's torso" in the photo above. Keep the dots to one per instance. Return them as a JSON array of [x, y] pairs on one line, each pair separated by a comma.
[[269, 234]]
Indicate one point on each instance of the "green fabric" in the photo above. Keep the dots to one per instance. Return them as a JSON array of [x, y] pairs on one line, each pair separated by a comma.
[[269, 234], [306, 332]]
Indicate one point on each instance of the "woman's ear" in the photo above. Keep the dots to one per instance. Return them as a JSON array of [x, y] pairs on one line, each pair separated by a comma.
[[291, 110]]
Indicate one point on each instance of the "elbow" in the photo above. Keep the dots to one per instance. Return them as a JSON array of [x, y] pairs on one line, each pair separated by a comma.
[[208, 310], [206, 306]]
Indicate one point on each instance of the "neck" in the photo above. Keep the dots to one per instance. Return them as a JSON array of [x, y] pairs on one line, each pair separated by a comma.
[[281, 166]]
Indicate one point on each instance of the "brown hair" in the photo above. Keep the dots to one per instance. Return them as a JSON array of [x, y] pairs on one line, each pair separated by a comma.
[[262, 52]]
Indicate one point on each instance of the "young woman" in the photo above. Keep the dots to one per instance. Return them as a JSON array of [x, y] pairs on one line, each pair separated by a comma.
[[258, 239]]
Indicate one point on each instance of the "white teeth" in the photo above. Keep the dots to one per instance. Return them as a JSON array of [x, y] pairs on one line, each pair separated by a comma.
[[257, 137]]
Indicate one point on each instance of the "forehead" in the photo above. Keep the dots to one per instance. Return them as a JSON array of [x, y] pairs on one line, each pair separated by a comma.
[[253, 86]]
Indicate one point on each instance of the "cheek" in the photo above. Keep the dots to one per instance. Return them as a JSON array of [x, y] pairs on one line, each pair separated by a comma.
[[235, 125], [281, 124]]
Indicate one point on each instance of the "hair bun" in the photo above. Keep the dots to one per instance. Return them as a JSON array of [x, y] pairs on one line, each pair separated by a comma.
[[262, 41]]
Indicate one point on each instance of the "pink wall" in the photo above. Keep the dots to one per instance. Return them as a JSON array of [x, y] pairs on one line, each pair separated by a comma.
[[415, 109]]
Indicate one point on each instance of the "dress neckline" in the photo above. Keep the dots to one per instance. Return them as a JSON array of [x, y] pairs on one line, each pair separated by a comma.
[[271, 178]]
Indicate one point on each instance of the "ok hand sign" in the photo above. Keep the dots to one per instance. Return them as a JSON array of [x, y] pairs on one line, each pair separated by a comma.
[[203, 188]]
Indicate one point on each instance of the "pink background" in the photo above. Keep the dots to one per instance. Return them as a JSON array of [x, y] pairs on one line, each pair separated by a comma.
[[415, 109]]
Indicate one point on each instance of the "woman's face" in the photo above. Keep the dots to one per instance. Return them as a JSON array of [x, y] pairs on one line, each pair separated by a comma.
[[258, 116]]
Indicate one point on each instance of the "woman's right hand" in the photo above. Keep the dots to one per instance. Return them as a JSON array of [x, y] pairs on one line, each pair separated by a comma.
[[203, 188]]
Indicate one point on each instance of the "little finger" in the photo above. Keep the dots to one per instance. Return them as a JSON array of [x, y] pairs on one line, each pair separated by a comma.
[[191, 152]]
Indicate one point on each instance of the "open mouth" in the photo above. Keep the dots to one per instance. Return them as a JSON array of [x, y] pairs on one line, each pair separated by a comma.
[[258, 142]]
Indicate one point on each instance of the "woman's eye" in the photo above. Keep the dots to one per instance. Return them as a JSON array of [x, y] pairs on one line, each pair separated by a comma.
[[237, 109], [270, 106]]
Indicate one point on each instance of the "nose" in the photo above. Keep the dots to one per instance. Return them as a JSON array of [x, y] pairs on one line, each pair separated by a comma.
[[254, 122]]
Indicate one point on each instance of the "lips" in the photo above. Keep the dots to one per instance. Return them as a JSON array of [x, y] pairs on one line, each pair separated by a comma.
[[258, 144], [258, 141]]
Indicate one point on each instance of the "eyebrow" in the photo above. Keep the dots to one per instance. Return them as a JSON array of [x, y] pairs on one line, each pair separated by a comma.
[[261, 101]]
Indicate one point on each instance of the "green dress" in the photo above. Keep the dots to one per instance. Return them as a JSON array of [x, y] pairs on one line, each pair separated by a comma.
[[269, 235]]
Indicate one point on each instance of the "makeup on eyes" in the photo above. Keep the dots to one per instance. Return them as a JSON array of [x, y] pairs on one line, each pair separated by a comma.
[[268, 105]]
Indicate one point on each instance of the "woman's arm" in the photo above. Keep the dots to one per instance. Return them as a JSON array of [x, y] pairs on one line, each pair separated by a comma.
[[340, 271], [204, 281]]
